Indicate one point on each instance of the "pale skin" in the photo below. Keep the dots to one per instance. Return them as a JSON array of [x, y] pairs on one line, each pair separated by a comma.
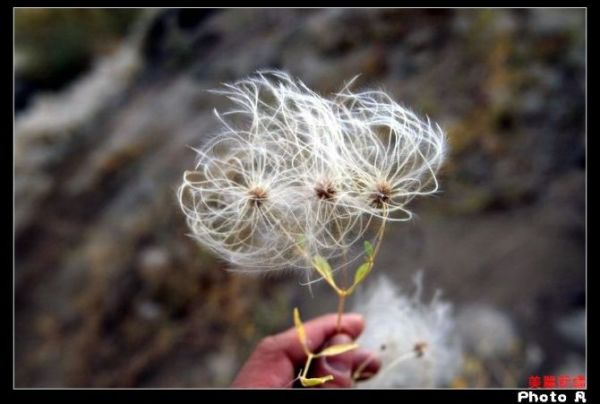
[[277, 359]]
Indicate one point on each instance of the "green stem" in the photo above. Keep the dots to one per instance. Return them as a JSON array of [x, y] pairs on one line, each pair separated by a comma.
[[340, 311]]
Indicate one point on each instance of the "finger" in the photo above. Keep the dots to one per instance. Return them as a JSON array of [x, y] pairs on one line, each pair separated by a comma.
[[366, 364], [265, 368], [359, 364], [338, 366], [318, 331]]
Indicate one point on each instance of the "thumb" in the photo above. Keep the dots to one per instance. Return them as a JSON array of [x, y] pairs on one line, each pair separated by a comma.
[[339, 366]]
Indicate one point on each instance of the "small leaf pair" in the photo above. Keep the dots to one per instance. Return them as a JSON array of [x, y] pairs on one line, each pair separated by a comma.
[[324, 269]]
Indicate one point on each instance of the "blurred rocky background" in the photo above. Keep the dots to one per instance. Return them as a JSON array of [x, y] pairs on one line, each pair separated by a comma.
[[110, 292]]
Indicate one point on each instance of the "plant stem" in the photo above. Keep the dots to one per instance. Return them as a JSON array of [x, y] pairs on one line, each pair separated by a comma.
[[340, 311], [307, 365], [380, 233]]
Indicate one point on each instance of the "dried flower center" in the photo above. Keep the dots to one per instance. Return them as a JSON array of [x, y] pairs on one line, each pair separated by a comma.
[[419, 348], [382, 194], [325, 190], [258, 195]]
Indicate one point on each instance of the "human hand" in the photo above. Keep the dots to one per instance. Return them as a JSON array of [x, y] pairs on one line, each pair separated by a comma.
[[277, 359]]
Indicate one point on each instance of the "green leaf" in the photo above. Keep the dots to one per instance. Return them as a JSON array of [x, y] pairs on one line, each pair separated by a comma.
[[366, 267], [362, 272], [337, 349], [300, 328], [369, 250], [315, 381], [323, 267]]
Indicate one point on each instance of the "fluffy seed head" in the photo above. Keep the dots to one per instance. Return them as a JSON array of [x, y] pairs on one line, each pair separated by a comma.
[[292, 165], [417, 342]]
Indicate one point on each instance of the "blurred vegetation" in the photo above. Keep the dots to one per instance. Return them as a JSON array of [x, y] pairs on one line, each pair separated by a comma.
[[55, 45]]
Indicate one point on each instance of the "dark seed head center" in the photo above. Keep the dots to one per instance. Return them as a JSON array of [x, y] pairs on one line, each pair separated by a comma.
[[258, 195], [382, 194], [420, 349], [325, 190]]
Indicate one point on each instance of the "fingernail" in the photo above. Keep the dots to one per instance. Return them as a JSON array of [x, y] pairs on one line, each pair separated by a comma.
[[341, 363]]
